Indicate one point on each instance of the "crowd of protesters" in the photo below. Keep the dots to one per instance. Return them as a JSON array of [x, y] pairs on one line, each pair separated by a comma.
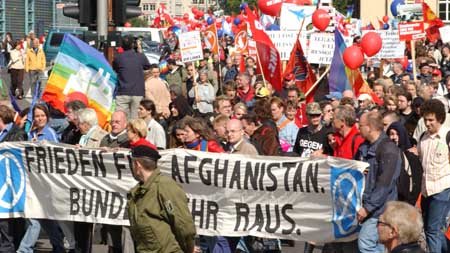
[[219, 104]]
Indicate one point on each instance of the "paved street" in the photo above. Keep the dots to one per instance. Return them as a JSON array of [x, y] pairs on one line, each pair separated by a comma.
[[44, 246]]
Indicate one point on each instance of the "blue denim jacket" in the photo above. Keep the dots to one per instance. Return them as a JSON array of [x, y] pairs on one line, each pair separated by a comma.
[[384, 170]]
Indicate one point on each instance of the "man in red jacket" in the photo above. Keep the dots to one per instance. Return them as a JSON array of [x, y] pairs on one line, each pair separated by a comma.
[[346, 140]]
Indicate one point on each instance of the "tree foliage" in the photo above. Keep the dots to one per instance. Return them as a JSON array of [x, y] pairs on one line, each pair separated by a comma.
[[341, 5], [138, 22], [232, 6]]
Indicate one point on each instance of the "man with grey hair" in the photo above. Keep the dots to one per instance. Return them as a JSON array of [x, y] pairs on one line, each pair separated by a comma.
[[244, 90], [399, 228], [346, 140], [92, 133]]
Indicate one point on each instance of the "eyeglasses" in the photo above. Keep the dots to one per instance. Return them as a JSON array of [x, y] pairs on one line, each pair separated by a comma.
[[314, 115], [383, 223]]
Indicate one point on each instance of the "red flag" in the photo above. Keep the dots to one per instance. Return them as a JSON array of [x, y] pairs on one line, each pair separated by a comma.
[[430, 18], [360, 86], [241, 40], [268, 54], [304, 75], [210, 38]]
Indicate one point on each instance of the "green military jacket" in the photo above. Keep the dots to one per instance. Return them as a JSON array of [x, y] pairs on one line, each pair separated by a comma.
[[160, 220]]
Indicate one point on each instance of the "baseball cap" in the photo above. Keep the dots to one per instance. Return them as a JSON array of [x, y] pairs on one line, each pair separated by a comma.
[[364, 96], [335, 95], [436, 72], [145, 152], [313, 108], [262, 92]]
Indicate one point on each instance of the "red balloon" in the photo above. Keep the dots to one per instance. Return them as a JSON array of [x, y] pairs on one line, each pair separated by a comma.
[[385, 19], [228, 19], [200, 13], [353, 57], [194, 10], [371, 43], [127, 24], [321, 19], [186, 17], [270, 7]]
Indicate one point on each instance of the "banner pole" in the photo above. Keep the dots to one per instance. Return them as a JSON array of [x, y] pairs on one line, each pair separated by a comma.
[[413, 57], [261, 68], [318, 80]]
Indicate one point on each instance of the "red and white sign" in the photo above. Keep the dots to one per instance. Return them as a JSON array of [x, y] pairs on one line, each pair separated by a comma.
[[411, 31]]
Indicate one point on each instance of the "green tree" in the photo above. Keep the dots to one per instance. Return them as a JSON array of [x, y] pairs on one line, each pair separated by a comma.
[[232, 6], [341, 5], [138, 22]]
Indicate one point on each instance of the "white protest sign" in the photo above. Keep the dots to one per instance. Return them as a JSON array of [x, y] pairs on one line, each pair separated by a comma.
[[292, 16], [392, 47], [445, 33], [230, 195], [321, 47], [284, 42], [190, 46]]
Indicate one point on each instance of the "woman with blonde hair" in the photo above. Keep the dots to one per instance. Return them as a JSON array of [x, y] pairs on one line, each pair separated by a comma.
[[239, 109], [137, 132]]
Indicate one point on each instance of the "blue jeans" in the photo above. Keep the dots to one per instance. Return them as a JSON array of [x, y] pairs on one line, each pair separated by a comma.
[[434, 210], [32, 235], [368, 237]]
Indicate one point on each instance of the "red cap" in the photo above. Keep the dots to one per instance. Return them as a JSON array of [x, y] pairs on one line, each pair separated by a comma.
[[436, 72]]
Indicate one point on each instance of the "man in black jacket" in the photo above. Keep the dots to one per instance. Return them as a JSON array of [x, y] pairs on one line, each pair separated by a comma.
[[130, 67], [10, 229], [384, 161]]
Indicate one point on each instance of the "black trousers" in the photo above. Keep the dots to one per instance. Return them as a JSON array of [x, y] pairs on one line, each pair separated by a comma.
[[83, 233], [6, 240]]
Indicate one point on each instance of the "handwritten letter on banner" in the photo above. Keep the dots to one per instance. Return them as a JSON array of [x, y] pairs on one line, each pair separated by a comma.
[[232, 195], [391, 47]]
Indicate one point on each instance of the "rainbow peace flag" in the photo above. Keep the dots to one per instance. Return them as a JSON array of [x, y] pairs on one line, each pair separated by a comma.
[[81, 68]]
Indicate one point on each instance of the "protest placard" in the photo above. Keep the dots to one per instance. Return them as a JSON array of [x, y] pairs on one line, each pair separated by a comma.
[[292, 16], [230, 195], [392, 47], [284, 42], [445, 33], [322, 51], [411, 30], [190, 46]]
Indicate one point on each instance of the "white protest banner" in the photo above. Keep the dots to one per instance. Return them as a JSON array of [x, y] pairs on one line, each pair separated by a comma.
[[230, 195], [270, 197], [190, 46], [284, 42], [391, 47], [42, 180]]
